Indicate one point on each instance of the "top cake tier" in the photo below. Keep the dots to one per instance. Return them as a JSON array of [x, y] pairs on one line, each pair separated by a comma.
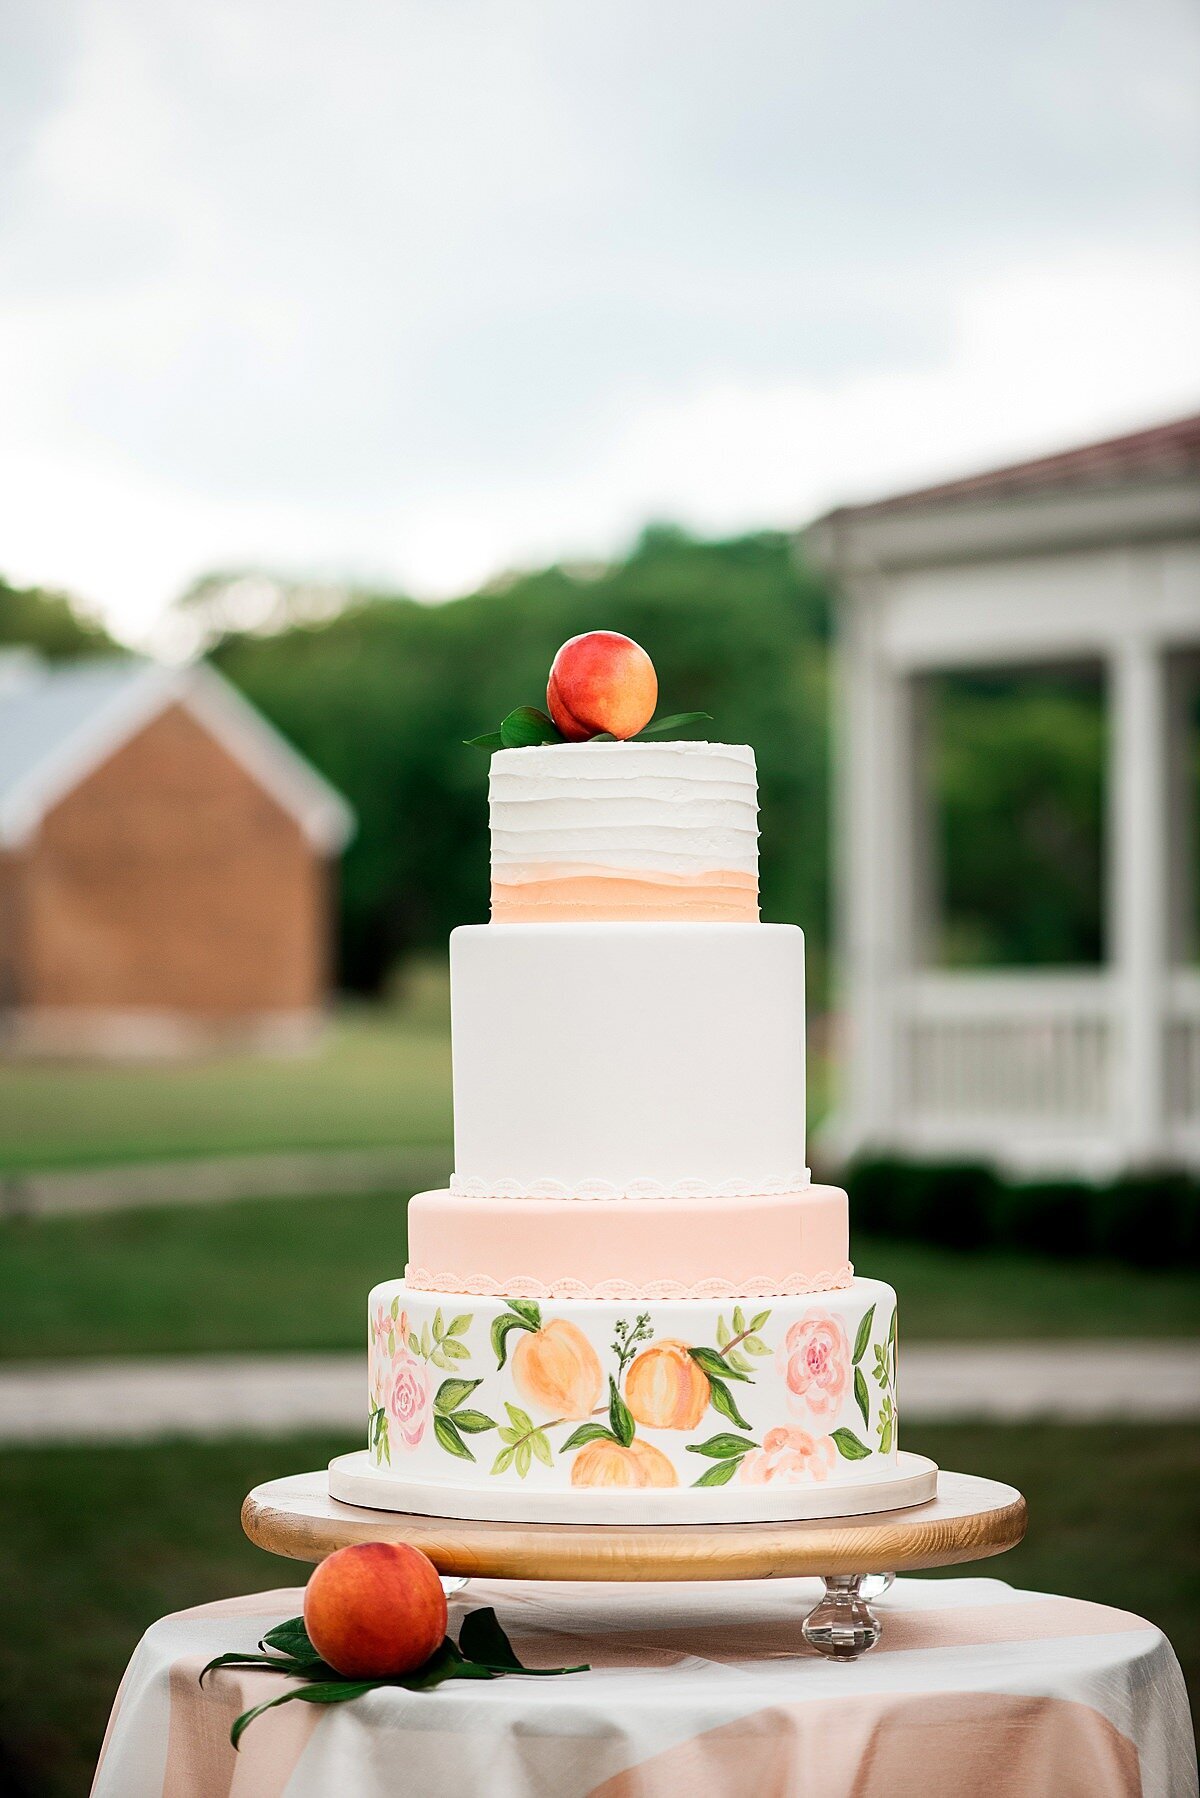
[[625, 832]]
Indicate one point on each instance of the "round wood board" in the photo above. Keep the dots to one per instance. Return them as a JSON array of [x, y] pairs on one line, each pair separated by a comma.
[[969, 1519]]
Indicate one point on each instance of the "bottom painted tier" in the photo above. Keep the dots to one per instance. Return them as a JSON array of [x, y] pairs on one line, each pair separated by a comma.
[[473, 1397]]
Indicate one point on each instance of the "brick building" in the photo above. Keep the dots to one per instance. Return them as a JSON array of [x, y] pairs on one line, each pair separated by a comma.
[[166, 863]]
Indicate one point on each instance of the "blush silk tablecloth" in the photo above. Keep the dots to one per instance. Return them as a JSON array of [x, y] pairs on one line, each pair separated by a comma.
[[976, 1690]]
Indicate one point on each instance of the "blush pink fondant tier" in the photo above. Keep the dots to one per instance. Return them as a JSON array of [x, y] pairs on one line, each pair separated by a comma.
[[567, 895], [786, 1244]]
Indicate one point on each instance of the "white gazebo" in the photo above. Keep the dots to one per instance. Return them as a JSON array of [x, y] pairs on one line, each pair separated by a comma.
[[1089, 557]]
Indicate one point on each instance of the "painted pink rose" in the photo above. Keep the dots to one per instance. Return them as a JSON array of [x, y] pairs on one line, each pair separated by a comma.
[[815, 1361], [408, 1396], [790, 1456]]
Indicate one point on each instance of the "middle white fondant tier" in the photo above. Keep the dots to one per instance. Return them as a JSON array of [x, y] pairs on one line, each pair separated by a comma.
[[492, 1394], [628, 1058]]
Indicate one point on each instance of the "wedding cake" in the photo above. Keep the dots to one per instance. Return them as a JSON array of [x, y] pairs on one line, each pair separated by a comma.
[[632, 1303]]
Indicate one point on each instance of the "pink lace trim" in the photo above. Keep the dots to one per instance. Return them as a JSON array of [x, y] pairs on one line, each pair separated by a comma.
[[474, 1188], [419, 1279]]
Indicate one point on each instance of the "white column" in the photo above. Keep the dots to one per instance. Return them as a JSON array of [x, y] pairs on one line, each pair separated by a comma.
[[874, 865], [1138, 891]]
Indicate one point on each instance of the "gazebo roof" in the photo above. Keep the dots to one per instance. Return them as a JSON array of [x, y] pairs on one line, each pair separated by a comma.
[[1170, 449]]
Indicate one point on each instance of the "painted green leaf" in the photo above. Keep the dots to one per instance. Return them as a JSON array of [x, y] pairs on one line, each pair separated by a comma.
[[524, 1457], [849, 1446], [458, 1326], [473, 1422], [440, 1360], [391, 1341], [720, 1448], [502, 1328], [450, 1439], [587, 1432], [863, 1336], [503, 1460], [439, 1327], [714, 1365], [456, 1350], [735, 1358], [529, 1310], [527, 725], [676, 721], [620, 1417], [520, 1420], [490, 740], [719, 1475], [414, 1343], [885, 1437], [757, 1323], [722, 1400], [861, 1397], [452, 1393], [513, 1436], [541, 1448], [754, 1345], [395, 1307], [739, 1320], [724, 1333]]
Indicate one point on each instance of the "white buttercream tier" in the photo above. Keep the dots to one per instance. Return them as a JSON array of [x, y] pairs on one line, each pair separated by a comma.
[[473, 1396], [630, 1056], [624, 830], [630, 1247]]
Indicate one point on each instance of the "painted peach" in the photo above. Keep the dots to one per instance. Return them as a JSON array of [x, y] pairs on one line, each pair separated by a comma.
[[665, 1389], [609, 1464], [375, 1609], [790, 1456], [556, 1369], [601, 681]]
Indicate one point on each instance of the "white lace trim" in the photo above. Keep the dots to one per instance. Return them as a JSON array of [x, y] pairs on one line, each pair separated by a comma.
[[419, 1279], [475, 1188]]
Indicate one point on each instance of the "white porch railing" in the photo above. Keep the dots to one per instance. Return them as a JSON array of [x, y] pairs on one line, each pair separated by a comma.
[[1182, 1058]]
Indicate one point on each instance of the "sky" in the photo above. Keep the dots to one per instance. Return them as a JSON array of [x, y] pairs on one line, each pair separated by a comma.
[[410, 292]]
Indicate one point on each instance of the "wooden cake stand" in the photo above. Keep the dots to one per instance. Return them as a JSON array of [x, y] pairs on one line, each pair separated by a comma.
[[970, 1519]]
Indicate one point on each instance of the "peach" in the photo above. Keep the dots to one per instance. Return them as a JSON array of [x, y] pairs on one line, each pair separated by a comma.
[[665, 1389], [557, 1369], [601, 681], [605, 1463], [375, 1609]]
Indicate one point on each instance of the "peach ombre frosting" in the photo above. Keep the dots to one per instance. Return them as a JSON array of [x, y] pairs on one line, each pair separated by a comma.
[[627, 832]]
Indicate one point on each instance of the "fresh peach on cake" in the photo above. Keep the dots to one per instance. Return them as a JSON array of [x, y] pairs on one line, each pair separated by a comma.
[[607, 1463], [665, 1389], [601, 681], [375, 1609], [556, 1369]]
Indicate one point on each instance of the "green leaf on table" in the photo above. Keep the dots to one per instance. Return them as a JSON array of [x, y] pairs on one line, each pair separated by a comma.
[[720, 1474], [587, 1432], [716, 1366], [450, 1439], [482, 1639], [675, 722], [864, 1336], [620, 1417], [323, 1692], [291, 1637], [720, 1448], [502, 1328], [861, 1396], [849, 1446], [527, 726], [722, 1400], [452, 1393]]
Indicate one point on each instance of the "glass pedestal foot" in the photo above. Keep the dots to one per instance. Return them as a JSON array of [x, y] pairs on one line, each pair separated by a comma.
[[842, 1624], [452, 1583]]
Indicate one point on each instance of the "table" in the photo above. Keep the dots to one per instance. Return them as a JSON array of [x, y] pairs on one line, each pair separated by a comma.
[[976, 1690], [968, 1519]]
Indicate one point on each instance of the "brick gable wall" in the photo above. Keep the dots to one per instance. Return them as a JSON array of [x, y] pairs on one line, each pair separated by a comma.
[[168, 879]]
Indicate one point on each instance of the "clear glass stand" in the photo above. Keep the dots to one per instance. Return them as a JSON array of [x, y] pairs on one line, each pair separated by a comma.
[[842, 1624]]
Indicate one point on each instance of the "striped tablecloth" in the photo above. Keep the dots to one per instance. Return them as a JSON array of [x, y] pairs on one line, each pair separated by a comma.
[[975, 1689]]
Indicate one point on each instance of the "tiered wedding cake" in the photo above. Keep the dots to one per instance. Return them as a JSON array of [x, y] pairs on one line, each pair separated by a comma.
[[631, 1304]]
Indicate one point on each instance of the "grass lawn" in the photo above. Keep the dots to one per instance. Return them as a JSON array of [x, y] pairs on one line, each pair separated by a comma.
[[380, 1077], [1112, 1518], [294, 1274]]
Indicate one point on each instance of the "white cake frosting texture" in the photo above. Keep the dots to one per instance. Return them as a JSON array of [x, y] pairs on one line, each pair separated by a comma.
[[624, 830]]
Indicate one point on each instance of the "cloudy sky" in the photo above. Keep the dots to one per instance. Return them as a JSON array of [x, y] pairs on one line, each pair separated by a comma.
[[415, 290]]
